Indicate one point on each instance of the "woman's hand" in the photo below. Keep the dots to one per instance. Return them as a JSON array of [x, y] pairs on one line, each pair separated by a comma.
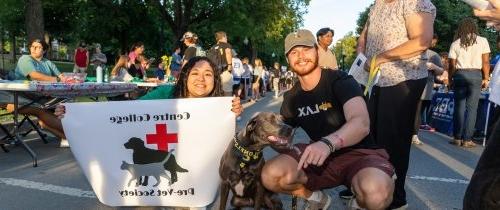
[[492, 14], [485, 83], [236, 106], [60, 111]]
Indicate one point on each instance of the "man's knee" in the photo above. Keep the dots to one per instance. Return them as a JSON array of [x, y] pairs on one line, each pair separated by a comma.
[[375, 188], [277, 172]]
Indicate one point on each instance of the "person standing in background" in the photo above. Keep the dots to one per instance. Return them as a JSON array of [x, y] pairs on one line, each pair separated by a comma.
[[237, 72], [247, 77], [327, 59], [98, 58], [81, 58], [276, 79], [469, 70], [190, 41], [175, 65], [397, 34], [257, 79], [434, 68], [442, 80]]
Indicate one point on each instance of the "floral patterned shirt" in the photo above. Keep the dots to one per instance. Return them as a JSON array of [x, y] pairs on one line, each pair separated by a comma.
[[387, 30]]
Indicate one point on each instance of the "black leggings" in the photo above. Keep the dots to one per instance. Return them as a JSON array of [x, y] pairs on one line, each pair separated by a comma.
[[392, 115]]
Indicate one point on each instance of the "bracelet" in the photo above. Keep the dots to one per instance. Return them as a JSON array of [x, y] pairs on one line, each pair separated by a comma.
[[328, 143]]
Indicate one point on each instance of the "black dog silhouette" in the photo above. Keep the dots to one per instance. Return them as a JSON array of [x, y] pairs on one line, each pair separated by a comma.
[[143, 155]]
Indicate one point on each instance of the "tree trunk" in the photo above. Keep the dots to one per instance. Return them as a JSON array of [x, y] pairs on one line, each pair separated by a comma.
[[34, 20], [13, 48], [1, 49]]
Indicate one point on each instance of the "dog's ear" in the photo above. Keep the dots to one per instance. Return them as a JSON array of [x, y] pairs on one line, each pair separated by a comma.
[[251, 124]]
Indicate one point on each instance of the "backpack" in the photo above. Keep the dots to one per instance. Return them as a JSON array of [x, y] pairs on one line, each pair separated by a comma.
[[200, 51], [216, 55]]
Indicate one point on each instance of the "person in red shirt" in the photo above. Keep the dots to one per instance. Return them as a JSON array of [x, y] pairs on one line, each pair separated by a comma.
[[81, 58]]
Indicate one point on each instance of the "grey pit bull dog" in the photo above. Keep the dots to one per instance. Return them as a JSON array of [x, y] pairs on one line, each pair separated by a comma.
[[242, 162]]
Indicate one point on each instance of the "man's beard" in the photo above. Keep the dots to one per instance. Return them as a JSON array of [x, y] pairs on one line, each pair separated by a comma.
[[307, 71]]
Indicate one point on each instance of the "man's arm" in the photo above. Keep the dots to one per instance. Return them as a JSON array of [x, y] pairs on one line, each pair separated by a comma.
[[357, 124], [37, 76], [420, 31], [229, 58]]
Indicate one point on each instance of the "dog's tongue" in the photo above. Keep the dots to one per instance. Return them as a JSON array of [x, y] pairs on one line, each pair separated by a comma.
[[277, 139]]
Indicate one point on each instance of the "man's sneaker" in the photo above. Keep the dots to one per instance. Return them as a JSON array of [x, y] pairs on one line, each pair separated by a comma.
[[324, 204], [346, 194], [64, 143], [427, 128], [415, 140], [353, 205]]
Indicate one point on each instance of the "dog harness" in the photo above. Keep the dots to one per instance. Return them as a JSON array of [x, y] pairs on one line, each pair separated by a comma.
[[246, 157]]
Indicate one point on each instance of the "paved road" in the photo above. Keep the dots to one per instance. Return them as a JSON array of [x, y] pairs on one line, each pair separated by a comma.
[[437, 178]]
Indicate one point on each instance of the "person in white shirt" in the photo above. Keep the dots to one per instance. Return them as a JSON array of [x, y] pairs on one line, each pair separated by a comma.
[[247, 77], [237, 71], [469, 70]]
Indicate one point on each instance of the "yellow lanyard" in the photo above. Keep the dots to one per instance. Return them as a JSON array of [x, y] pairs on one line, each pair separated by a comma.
[[371, 76]]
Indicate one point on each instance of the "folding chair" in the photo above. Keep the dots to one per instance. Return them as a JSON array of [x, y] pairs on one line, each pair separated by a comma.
[[10, 138], [26, 118]]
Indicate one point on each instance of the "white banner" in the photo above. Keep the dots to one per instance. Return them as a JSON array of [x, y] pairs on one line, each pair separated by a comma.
[[119, 143]]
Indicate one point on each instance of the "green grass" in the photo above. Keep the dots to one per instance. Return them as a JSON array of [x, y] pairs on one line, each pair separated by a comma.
[[5, 118]]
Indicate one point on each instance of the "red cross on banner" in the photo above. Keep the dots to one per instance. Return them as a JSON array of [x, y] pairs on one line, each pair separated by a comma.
[[162, 138]]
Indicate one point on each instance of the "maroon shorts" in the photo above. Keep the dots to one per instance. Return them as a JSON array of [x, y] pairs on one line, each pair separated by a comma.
[[340, 167]]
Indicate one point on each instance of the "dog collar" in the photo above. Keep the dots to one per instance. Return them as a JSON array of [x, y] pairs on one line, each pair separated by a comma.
[[246, 157]]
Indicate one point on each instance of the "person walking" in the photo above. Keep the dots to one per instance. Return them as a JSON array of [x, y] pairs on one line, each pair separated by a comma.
[[469, 70]]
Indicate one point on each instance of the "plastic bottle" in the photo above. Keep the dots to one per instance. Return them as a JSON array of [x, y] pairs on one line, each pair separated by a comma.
[[98, 74], [106, 75]]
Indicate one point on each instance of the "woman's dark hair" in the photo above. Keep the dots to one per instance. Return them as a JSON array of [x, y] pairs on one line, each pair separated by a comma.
[[181, 90], [467, 32], [44, 45], [136, 45], [323, 31]]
